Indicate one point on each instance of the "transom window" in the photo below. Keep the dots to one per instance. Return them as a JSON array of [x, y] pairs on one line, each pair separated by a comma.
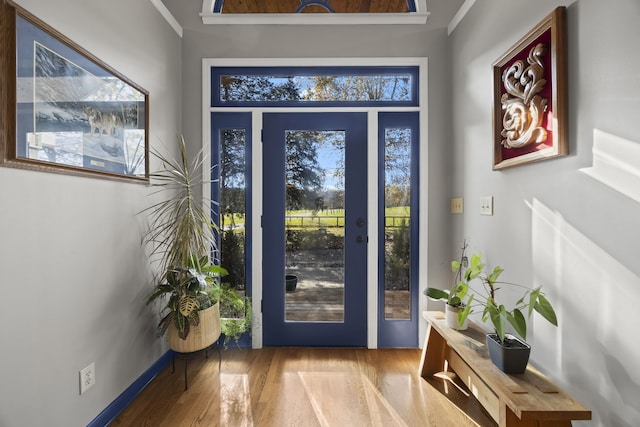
[[314, 86]]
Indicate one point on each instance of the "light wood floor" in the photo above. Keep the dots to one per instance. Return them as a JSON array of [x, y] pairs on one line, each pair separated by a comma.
[[302, 387]]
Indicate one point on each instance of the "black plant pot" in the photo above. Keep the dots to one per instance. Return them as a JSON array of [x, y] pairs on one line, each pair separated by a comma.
[[291, 281], [512, 357]]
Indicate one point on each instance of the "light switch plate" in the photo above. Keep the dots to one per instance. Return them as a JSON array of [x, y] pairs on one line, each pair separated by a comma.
[[457, 205]]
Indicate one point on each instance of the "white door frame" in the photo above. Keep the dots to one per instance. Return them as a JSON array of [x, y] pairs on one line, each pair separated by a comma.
[[372, 172]]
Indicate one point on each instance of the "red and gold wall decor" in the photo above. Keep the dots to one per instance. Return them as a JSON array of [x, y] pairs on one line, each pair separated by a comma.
[[530, 96]]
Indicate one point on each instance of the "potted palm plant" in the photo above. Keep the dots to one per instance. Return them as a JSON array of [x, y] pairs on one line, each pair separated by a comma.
[[507, 351], [181, 234], [457, 309]]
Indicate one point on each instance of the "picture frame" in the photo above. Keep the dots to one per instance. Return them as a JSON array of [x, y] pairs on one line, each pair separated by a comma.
[[530, 96], [64, 110]]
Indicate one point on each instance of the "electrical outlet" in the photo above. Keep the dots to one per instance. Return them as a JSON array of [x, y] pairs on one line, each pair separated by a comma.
[[486, 205], [457, 205], [87, 377]]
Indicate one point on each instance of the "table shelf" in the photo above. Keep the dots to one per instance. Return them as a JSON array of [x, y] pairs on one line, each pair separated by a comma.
[[527, 399]]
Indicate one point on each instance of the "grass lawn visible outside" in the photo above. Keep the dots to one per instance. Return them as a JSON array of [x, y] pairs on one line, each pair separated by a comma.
[[330, 218]]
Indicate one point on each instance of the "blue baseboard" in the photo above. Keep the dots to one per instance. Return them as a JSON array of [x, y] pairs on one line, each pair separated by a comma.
[[127, 396]]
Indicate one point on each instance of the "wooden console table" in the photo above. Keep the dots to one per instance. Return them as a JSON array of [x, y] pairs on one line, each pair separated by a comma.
[[528, 399]]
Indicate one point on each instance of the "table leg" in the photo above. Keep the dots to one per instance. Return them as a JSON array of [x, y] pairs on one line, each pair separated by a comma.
[[434, 353]]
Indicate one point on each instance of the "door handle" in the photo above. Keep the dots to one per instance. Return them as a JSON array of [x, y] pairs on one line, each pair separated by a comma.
[[359, 239]]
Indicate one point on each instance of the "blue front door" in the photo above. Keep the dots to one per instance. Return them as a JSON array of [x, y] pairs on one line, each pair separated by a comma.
[[314, 229]]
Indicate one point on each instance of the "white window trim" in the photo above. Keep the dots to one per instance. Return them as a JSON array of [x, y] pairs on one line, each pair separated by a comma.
[[372, 168]]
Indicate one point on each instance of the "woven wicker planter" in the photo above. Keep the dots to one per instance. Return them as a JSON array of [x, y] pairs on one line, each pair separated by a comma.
[[201, 336]]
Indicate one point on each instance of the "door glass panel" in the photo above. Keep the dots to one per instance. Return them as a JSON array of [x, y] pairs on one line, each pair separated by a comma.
[[314, 225], [233, 212], [397, 236]]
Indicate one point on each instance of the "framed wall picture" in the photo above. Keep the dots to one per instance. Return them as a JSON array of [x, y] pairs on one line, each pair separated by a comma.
[[64, 110], [530, 96]]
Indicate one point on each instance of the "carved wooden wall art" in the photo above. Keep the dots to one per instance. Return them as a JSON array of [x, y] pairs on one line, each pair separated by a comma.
[[529, 116]]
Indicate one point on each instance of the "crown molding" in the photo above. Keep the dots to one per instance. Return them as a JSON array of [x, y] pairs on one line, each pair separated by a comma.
[[167, 16]]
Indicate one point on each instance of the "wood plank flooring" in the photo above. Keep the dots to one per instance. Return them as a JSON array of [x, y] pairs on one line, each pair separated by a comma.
[[314, 387]]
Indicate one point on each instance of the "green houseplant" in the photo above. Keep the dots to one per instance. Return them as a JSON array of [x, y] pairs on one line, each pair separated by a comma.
[[182, 236], [457, 308], [235, 304], [501, 344], [188, 293], [235, 311]]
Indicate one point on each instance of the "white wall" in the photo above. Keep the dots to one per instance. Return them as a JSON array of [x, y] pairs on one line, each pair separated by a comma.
[[554, 225], [74, 274]]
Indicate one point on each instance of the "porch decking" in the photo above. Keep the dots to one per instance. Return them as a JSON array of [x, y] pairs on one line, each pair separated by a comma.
[[319, 294], [323, 301]]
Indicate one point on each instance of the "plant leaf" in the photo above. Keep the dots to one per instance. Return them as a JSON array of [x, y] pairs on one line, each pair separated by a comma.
[[519, 323], [462, 289], [475, 261], [543, 306], [165, 322], [533, 298], [214, 269], [182, 325], [497, 319], [436, 294], [463, 314], [497, 271], [187, 305]]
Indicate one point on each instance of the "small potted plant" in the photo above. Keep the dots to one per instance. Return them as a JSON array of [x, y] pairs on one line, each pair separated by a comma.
[[457, 309], [507, 351]]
